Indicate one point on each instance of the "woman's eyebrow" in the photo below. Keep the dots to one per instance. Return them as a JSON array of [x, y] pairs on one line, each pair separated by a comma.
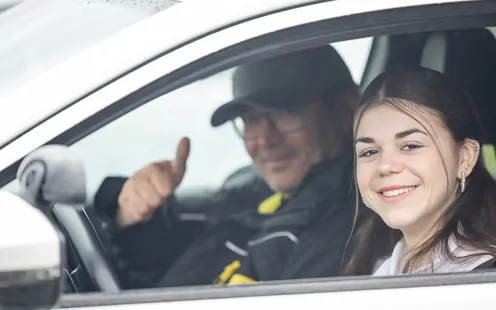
[[364, 140], [408, 132], [399, 135]]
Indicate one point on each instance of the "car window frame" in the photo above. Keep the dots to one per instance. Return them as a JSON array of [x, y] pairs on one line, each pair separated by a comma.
[[442, 19], [348, 292]]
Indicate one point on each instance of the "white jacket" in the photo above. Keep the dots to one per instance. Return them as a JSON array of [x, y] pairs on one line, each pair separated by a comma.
[[395, 263]]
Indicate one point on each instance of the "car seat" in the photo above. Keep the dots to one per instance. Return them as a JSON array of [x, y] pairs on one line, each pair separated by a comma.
[[468, 57]]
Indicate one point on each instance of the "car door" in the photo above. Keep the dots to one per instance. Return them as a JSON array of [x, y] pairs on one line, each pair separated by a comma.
[[261, 36]]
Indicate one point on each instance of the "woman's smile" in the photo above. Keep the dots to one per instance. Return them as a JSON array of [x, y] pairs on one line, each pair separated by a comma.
[[393, 194]]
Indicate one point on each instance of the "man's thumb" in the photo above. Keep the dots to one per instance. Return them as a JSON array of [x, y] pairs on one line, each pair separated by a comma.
[[182, 154]]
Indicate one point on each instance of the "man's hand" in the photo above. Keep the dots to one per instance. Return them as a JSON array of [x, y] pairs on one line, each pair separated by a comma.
[[148, 188]]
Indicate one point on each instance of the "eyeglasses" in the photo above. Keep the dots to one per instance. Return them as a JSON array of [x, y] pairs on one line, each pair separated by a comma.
[[249, 126]]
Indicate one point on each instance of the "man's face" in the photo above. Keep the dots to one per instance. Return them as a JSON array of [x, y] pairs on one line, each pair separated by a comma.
[[284, 145]]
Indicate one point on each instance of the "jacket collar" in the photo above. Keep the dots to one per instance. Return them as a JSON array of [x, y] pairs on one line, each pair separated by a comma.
[[328, 185]]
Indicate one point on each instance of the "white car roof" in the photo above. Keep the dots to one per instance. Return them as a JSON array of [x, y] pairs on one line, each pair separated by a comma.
[[49, 32], [37, 35], [7, 4], [139, 42]]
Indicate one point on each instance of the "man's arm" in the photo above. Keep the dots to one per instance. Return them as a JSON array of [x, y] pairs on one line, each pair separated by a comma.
[[146, 250], [143, 252]]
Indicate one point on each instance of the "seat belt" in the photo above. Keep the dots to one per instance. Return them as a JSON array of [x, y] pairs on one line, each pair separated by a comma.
[[489, 158]]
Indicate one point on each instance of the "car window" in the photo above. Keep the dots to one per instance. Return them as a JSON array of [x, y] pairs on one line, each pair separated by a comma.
[[151, 132], [51, 31]]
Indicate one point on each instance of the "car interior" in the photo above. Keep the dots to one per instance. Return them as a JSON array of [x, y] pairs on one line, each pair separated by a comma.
[[467, 56]]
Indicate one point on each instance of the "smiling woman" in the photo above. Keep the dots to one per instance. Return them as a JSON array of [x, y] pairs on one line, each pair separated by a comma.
[[418, 169]]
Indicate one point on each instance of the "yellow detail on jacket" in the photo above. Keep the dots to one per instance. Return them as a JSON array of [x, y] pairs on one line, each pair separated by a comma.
[[271, 204], [240, 279], [229, 270]]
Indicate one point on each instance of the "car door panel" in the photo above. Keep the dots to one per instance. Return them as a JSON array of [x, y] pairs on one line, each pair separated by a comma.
[[412, 293]]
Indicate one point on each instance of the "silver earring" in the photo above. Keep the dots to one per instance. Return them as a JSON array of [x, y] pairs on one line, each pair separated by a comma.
[[462, 181]]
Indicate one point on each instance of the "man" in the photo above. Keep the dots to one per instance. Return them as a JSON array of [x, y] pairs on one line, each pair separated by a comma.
[[289, 216]]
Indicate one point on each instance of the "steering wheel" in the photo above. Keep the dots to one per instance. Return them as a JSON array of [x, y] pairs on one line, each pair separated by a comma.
[[92, 269]]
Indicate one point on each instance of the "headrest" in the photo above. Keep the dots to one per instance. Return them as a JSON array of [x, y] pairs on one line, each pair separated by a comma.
[[468, 57], [52, 173]]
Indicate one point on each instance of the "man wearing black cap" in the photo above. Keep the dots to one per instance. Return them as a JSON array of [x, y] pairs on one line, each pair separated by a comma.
[[289, 216]]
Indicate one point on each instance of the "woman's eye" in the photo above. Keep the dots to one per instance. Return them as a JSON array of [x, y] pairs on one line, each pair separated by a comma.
[[411, 147], [368, 153]]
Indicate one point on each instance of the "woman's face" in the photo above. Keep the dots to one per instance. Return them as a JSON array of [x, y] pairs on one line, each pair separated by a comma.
[[407, 169]]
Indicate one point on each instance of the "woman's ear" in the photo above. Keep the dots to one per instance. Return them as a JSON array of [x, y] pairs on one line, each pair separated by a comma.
[[469, 154]]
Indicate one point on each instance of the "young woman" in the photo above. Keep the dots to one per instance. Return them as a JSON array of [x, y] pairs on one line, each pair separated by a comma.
[[418, 169]]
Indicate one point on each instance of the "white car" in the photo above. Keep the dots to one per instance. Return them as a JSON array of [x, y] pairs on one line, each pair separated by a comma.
[[120, 82]]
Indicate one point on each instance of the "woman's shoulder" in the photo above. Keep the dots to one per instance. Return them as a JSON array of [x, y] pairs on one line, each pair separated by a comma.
[[489, 264], [382, 267]]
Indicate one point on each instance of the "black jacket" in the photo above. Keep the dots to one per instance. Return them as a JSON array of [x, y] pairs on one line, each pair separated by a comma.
[[222, 238]]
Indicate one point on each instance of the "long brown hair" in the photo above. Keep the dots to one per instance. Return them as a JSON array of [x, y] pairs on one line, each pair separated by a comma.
[[471, 218]]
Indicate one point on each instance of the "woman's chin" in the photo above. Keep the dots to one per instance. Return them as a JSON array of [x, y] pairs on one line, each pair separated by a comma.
[[399, 223]]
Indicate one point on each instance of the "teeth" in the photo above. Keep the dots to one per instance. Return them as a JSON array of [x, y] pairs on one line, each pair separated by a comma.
[[398, 192]]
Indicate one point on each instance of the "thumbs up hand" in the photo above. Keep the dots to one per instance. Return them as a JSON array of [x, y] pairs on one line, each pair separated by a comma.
[[149, 187]]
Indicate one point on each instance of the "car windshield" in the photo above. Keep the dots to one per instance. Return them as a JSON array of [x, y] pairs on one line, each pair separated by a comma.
[[38, 35]]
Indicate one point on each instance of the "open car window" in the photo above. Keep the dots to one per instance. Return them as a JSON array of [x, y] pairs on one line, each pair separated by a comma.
[[151, 132]]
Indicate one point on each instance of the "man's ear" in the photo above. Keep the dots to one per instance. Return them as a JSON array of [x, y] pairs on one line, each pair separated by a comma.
[[469, 153]]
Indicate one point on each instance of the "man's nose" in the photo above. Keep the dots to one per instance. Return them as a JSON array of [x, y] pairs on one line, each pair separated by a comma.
[[268, 134], [389, 163]]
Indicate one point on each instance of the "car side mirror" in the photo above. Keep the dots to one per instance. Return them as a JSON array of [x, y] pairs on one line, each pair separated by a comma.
[[31, 252]]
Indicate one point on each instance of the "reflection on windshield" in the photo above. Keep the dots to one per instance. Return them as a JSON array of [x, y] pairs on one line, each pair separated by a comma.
[[38, 35]]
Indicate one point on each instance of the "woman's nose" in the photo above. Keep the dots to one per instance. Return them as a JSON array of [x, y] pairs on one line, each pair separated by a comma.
[[389, 163]]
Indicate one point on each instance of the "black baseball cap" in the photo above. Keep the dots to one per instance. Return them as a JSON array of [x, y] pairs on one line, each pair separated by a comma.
[[286, 81]]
